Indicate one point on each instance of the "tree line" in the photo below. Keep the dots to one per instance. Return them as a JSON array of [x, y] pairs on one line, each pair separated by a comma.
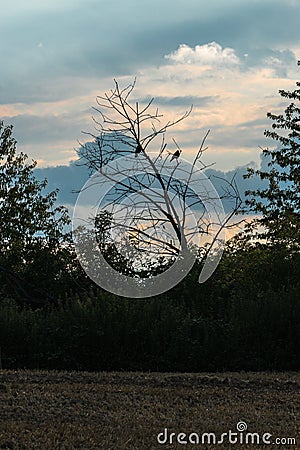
[[245, 317]]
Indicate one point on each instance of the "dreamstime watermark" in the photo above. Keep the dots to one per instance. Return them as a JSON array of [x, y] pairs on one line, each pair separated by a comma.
[[240, 436], [112, 178]]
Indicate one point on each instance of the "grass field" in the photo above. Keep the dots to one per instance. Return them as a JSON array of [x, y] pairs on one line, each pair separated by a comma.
[[116, 411]]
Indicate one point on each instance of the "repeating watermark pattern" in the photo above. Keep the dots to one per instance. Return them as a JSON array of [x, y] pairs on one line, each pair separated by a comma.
[[140, 198], [240, 436]]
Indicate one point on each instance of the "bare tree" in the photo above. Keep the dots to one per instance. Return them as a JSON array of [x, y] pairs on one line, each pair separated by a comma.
[[156, 202]]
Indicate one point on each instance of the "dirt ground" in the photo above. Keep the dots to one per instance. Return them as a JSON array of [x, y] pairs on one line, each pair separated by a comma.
[[144, 411]]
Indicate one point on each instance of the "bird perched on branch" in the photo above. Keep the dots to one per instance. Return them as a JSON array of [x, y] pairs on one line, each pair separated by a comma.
[[138, 149], [176, 155]]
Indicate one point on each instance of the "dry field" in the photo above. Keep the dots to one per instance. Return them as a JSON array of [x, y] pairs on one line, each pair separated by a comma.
[[120, 411]]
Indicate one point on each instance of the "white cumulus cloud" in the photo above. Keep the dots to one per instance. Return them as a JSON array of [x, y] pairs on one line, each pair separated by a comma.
[[207, 54]]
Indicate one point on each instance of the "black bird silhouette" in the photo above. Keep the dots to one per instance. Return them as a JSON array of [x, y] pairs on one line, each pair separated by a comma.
[[176, 155], [138, 149]]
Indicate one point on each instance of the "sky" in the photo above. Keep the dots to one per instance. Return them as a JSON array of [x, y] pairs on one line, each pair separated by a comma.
[[228, 59]]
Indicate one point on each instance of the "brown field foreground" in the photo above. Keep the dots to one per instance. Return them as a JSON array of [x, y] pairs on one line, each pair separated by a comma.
[[119, 411]]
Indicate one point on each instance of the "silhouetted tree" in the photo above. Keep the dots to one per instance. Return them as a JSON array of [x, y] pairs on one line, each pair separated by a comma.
[[151, 210], [279, 202], [32, 227]]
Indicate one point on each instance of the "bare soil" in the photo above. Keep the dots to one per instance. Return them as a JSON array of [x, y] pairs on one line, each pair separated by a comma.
[[119, 411]]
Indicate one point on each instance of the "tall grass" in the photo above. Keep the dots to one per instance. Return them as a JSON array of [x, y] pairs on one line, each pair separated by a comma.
[[191, 328]]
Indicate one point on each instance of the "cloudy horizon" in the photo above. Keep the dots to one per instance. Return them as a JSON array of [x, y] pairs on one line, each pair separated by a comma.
[[228, 60]]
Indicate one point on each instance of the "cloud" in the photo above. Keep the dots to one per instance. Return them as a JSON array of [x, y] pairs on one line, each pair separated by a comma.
[[32, 129], [230, 100], [69, 179], [184, 100], [282, 62], [60, 55], [244, 26], [207, 54], [49, 138]]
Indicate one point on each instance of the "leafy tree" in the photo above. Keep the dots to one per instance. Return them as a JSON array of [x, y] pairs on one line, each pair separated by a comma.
[[265, 255], [279, 202], [32, 228]]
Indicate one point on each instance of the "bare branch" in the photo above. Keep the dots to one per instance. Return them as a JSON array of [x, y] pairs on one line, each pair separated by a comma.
[[152, 211]]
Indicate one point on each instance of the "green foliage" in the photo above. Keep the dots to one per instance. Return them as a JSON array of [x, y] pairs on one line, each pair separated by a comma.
[[35, 248], [239, 320], [279, 203], [245, 317], [25, 211]]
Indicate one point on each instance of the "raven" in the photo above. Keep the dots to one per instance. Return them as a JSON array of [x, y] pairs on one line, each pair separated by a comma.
[[176, 155], [138, 149]]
